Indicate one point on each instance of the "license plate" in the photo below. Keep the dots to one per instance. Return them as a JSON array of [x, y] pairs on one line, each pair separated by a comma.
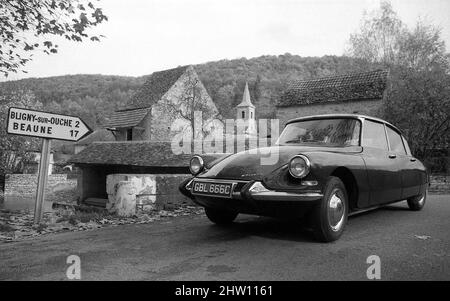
[[212, 189]]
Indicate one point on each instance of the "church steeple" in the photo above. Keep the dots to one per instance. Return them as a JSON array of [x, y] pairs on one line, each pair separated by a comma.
[[246, 111], [246, 102]]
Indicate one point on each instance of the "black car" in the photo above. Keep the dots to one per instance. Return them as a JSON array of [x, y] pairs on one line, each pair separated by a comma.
[[328, 166]]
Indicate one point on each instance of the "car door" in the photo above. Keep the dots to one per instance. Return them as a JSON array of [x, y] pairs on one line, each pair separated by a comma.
[[397, 148], [414, 176], [383, 167]]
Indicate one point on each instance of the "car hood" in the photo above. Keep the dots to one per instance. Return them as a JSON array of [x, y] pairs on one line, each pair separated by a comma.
[[257, 163]]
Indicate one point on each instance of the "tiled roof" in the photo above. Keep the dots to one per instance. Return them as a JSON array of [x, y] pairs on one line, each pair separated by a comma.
[[155, 87], [143, 154], [126, 118], [355, 86]]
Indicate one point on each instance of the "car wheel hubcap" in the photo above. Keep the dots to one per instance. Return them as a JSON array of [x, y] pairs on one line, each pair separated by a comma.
[[336, 210]]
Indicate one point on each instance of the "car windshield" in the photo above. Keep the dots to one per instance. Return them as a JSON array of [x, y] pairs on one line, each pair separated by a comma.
[[324, 132]]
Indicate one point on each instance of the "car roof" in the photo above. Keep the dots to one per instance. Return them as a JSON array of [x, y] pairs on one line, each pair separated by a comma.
[[355, 116]]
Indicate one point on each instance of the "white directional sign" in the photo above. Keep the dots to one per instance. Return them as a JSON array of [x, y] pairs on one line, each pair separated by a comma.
[[46, 125]]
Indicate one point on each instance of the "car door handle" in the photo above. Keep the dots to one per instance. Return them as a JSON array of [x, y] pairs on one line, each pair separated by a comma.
[[413, 159], [392, 156]]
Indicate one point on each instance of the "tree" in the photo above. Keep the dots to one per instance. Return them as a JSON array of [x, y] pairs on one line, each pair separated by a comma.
[[223, 99], [15, 150], [422, 49], [418, 96], [385, 40], [379, 38], [27, 25], [419, 103]]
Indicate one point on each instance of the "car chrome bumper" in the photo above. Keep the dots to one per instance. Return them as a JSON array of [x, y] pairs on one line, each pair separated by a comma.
[[260, 193], [256, 191]]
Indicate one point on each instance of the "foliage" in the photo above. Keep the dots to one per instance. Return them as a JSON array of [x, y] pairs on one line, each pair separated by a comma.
[[418, 96], [267, 77], [27, 25], [379, 38], [15, 150], [94, 97], [91, 97], [384, 39], [419, 103]]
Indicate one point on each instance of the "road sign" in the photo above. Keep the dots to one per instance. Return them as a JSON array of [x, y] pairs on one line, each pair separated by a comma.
[[46, 125]]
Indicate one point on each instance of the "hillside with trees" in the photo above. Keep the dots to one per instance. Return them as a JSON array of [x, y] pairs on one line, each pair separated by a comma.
[[95, 97]]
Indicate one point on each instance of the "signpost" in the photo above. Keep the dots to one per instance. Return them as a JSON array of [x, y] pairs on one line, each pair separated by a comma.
[[47, 126]]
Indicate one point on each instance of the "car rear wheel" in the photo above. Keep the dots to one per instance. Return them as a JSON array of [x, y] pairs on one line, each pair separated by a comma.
[[220, 217], [416, 203], [329, 217]]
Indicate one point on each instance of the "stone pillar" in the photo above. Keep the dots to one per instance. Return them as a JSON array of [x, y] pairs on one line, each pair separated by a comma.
[[123, 200]]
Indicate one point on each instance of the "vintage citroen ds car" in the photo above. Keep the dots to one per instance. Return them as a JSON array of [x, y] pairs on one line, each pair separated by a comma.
[[328, 166]]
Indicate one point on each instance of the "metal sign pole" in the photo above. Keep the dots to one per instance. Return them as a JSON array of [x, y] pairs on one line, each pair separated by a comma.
[[42, 180]]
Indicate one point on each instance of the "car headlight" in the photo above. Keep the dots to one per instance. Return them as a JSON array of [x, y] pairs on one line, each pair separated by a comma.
[[299, 166], [196, 165]]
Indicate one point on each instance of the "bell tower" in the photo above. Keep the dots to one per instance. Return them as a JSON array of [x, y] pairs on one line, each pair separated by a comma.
[[245, 111]]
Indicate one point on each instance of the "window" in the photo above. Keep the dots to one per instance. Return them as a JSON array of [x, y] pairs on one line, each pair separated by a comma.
[[355, 137], [333, 132], [243, 114], [374, 135], [129, 134], [408, 150], [251, 115], [395, 141]]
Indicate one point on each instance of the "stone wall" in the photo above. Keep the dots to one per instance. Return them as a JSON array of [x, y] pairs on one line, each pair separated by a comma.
[[25, 185], [158, 190], [440, 184], [364, 107], [20, 191], [162, 119]]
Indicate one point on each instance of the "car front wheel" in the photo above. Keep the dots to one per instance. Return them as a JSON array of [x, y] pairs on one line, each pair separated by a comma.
[[330, 215], [220, 217], [416, 203]]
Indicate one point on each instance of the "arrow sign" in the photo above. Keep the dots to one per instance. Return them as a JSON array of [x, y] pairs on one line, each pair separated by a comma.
[[46, 125]]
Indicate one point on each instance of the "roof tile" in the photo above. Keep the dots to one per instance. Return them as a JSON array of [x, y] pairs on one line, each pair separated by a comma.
[[348, 87], [142, 153], [126, 118], [157, 84]]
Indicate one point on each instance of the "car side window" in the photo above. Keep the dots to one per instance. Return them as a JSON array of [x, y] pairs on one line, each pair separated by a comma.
[[395, 141], [408, 150], [374, 135]]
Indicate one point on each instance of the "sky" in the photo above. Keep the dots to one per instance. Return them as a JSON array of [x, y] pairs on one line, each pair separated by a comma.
[[143, 36]]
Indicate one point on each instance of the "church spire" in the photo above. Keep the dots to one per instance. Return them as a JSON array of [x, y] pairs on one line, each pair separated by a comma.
[[246, 102]]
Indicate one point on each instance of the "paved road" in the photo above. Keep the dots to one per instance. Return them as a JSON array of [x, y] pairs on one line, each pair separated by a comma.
[[190, 248]]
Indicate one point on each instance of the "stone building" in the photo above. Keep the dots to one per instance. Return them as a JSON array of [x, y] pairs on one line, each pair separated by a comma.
[[165, 96], [152, 165], [358, 93], [140, 164], [245, 114]]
